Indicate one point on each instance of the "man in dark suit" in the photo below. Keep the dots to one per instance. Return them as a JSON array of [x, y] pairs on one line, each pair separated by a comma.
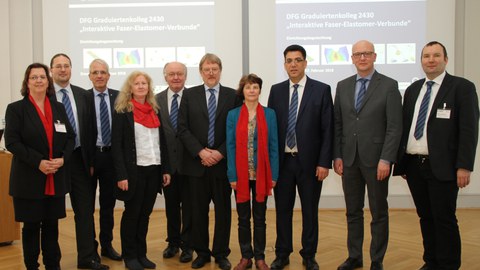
[[202, 129], [368, 127], [304, 111], [178, 207], [104, 103], [437, 153], [80, 112]]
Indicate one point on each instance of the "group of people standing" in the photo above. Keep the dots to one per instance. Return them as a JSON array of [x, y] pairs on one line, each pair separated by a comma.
[[195, 145]]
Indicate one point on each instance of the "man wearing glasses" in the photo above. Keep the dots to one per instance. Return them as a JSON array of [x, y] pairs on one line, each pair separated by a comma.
[[368, 127], [202, 129], [304, 111]]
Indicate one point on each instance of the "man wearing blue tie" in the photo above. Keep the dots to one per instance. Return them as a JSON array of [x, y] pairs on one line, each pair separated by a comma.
[[103, 170], [304, 111], [368, 126], [437, 153]]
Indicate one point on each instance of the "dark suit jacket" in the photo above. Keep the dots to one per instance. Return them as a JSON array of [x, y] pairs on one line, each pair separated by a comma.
[[86, 122], [112, 97], [174, 144], [193, 128], [452, 143], [314, 127], [374, 132], [124, 153], [25, 137]]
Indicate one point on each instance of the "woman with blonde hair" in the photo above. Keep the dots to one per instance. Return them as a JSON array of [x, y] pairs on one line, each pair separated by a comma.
[[141, 164]]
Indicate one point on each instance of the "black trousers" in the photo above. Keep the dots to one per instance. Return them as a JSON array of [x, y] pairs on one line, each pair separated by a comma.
[[204, 190], [245, 211], [178, 210], [136, 216], [83, 204], [44, 235], [436, 203], [105, 174], [291, 178]]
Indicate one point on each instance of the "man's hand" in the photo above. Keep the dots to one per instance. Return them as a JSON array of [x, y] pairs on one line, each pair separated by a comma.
[[321, 173], [383, 170], [338, 166], [463, 177]]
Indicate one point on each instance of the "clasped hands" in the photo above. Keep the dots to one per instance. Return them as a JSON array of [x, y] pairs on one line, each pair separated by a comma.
[[50, 166], [210, 157]]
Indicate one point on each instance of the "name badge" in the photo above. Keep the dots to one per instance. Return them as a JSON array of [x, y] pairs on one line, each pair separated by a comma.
[[60, 127], [443, 113]]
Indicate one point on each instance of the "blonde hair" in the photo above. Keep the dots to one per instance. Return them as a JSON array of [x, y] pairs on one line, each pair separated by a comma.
[[124, 100]]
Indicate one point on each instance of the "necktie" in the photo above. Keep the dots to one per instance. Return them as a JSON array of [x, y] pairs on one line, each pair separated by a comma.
[[174, 112], [422, 112], [361, 93], [292, 118], [105, 121], [71, 118], [212, 108]]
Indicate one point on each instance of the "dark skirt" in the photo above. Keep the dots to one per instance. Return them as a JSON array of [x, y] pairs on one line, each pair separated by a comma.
[[36, 210]]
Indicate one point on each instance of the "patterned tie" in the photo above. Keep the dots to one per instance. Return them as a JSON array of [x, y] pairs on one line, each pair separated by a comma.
[[174, 112], [422, 112], [105, 121], [361, 93], [292, 118], [71, 118], [212, 108]]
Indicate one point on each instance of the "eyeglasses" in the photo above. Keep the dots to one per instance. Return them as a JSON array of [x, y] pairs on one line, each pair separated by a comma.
[[35, 77], [96, 72], [210, 70], [358, 55], [296, 60], [178, 74], [66, 66]]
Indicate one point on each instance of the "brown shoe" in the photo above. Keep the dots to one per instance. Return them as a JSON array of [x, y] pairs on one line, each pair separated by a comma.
[[244, 264], [261, 265]]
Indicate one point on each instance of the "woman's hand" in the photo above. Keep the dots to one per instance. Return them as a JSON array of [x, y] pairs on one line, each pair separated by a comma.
[[123, 184]]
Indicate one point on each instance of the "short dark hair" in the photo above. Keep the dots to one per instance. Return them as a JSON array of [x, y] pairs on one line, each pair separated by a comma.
[[58, 55], [50, 88], [295, 48], [431, 43], [248, 79]]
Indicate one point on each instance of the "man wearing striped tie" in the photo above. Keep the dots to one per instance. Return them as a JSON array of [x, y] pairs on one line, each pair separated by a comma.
[[437, 153], [368, 127], [178, 208], [103, 171]]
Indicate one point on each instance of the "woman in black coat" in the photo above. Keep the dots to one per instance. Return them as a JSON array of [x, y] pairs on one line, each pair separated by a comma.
[[39, 135], [141, 164]]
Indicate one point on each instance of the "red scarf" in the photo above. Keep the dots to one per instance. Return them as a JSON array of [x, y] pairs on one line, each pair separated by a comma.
[[47, 121], [145, 115], [263, 173]]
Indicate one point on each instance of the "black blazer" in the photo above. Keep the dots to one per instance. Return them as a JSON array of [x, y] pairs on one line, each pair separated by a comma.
[[25, 137], [174, 144], [314, 127], [452, 143], [193, 128], [124, 154]]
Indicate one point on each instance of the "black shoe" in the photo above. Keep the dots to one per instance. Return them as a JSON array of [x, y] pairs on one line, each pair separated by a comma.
[[111, 253], [199, 262], [311, 264], [170, 252], [186, 256], [376, 266], [94, 265], [133, 264], [426, 267], [279, 263], [223, 263], [146, 263], [350, 264]]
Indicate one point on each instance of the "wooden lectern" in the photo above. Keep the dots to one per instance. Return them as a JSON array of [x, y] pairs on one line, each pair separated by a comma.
[[9, 229]]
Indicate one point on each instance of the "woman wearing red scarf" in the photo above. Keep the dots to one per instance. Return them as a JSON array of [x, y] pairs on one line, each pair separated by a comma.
[[252, 157], [39, 135], [141, 165]]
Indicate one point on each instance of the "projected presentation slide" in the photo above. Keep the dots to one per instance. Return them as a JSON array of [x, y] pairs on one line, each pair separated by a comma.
[[144, 35], [328, 29]]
